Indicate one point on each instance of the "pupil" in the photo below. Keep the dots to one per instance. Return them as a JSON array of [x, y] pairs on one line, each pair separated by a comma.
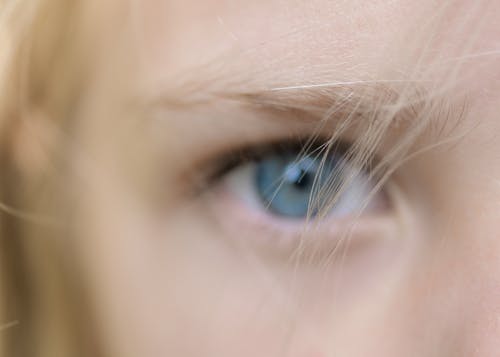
[[298, 176]]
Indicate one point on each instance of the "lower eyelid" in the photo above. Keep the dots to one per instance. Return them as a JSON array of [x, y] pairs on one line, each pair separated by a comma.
[[254, 228]]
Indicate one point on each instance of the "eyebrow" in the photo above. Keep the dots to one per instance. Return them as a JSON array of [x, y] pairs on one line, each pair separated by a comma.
[[307, 96], [405, 101], [319, 99]]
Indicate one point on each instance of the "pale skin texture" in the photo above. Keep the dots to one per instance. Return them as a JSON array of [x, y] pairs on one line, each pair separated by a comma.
[[203, 277]]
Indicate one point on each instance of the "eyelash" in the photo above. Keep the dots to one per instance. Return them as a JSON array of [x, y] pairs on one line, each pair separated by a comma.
[[254, 153]]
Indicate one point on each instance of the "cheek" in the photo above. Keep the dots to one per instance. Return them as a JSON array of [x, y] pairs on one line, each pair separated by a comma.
[[181, 286], [159, 291]]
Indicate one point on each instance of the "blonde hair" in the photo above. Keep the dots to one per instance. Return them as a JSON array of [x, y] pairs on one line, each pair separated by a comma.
[[42, 67]]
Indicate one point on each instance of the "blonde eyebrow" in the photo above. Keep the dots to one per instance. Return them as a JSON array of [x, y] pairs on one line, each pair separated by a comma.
[[307, 97], [402, 100], [368, 100], [316, 99]]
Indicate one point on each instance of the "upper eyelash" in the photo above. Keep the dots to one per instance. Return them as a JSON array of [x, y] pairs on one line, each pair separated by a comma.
[[208, 172], [255, 153]]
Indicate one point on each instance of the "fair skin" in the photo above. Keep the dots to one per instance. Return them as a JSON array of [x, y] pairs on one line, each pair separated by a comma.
[[203, 275]]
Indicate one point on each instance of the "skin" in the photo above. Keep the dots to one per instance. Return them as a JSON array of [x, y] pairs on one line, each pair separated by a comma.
[[204, 274]]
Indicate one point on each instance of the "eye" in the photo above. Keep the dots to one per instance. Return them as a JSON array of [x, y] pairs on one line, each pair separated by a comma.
[[288, 184]]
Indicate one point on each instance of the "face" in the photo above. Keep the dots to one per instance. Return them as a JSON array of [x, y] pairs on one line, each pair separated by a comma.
[[224, 213]]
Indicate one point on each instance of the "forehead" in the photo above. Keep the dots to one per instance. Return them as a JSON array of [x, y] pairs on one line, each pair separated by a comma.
[[297, 40], [311, 38]]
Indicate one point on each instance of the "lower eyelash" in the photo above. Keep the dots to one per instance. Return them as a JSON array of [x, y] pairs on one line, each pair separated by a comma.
[[253, 228]]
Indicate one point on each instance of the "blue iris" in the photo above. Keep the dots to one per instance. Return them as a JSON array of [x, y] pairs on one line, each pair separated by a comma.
[[286, 184]]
